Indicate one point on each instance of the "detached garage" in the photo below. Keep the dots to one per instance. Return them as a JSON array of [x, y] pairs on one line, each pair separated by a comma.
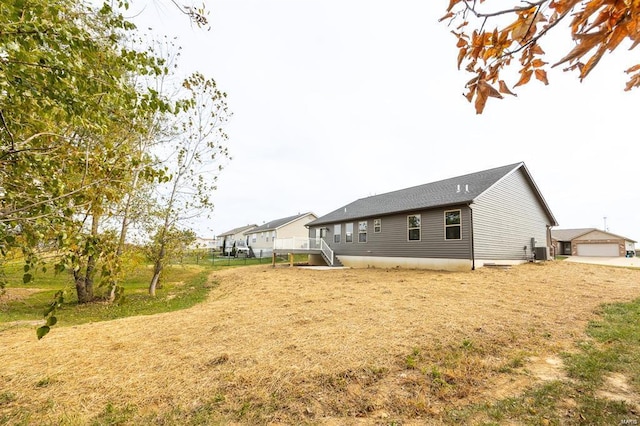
[[591, 242]]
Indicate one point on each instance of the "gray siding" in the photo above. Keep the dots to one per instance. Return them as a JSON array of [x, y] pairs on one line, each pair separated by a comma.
[[393, 241], [506, 217]]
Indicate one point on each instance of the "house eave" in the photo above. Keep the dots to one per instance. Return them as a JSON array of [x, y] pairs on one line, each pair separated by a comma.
[[397, 212]]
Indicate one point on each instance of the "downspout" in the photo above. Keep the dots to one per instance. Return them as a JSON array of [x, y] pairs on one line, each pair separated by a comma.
[[473, 254]]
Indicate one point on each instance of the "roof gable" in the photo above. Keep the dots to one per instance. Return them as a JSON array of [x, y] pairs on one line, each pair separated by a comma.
[[279, 223], [572, 234], [238, 230], [453, 191]]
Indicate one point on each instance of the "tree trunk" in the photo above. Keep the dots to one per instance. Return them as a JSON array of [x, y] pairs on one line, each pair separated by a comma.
[[157, 270], [81, 288], [84, 280]]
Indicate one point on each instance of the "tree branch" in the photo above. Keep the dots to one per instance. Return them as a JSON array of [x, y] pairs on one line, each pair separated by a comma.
[[4, 214], [13, 149], [473, 10], [533, 39], [6, 127]]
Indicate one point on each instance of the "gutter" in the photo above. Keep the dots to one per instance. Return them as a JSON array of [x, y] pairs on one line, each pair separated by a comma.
[[473, 254]]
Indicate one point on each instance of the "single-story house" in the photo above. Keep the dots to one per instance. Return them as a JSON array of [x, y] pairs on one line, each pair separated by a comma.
[[493, 216], [201, 243], [263, 237], [591, 242], [236, 235]]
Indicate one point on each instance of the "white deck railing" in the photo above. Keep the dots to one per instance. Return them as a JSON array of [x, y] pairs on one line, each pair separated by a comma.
[[299, 243], [327, 251], [296, 243]]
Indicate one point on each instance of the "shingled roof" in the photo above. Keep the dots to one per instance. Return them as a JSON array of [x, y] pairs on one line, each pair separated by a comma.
[[569, 234], [572, 234], [453, 191], [238, 230], [275, 224]]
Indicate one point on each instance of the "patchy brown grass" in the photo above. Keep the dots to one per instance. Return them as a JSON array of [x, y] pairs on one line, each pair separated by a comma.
[[283, 346], [11, 294]]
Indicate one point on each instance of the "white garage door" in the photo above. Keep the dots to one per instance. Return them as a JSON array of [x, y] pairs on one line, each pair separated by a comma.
[[601, 250]]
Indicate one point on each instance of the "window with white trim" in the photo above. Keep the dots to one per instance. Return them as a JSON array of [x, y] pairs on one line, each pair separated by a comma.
[[362, 232], [348, 233], [413, 227], [377, 226], [453, 225], [337, 232]]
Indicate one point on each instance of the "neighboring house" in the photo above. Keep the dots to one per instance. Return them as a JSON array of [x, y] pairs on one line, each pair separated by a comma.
[[494, 216], [236, 235], [203, 243], [591, 242], [263, 237]]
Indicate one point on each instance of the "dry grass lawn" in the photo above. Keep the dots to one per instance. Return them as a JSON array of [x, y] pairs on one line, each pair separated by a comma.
[[292, 345]]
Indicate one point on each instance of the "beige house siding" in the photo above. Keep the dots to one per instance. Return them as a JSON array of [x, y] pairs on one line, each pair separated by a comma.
[[227, 239], [598, 237], [296, 229], [569, 245], [262, 240]]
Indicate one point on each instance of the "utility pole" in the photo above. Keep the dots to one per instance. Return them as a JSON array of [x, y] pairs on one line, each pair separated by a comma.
[[605, 224]]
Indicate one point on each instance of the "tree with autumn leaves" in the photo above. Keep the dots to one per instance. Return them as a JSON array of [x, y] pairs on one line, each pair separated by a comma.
[[79, 112], [491, 41]]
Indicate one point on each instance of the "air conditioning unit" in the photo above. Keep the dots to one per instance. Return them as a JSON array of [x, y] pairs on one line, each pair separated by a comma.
[[542, 253]]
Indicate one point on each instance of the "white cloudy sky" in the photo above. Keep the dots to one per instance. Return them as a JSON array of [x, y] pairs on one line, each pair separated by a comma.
[[338, 100]]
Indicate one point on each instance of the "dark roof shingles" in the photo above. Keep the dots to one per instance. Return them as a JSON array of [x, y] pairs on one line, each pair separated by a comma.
[[275, 224], [430, 195]]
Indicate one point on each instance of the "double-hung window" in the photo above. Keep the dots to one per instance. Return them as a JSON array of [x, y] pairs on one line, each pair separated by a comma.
[[377, 225], [348, 233], [362, 232], [337, 231], [413, 227], [452, 225]]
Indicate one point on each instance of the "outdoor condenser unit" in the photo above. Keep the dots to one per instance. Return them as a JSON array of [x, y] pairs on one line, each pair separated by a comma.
[[542, 253]]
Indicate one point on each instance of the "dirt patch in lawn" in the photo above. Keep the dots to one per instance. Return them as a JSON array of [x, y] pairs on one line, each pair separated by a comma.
[[617, 388], [12, 294], [293, 345]]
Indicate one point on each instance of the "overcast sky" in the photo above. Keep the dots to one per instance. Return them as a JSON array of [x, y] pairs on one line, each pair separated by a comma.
[[338, 100]]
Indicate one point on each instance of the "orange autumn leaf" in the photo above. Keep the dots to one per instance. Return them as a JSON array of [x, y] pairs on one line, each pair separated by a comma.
[[489, 89], [452, 3], [518, 31], [524, 78], [447, 16], [461, 54], [589, 41], [542, 76], [537, 50], [505, 89], [481, 100], [537, 63], [633, 69]]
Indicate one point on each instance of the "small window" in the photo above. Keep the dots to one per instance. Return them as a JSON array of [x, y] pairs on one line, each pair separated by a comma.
[[362, 232], [254, 237], [348, 233], [337, 231], [413, 226], [377, 225], [452, 225]]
